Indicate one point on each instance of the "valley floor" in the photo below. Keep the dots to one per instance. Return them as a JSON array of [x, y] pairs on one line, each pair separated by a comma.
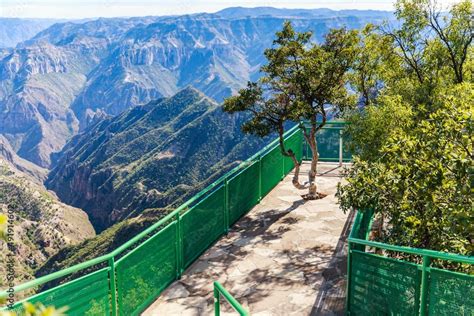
[[287, 256]]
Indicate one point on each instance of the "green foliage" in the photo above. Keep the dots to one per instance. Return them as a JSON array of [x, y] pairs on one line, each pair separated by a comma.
[[453, 34], [370, 126], [373, 57], [422, 181], [36, 310], [3, 226], [415, 164], [299, 80]]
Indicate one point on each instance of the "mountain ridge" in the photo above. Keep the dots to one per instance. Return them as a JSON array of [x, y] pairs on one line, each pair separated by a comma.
[[150, 156], [17, 30], [73, 74]]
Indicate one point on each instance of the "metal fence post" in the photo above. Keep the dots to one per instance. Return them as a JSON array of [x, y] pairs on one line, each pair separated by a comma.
[[301, 146], [348, 282], [179, 248], [424, 285], [340, 148], [226, 206], [259, 178], [113, 286], [217, 303]]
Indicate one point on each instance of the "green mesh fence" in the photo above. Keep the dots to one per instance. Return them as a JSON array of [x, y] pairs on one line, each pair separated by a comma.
[[88, 295], [146, 271], [361, 227], [329, 141], [379, 285], [328, 144], [383, 286], [451, 293], [243, 192], [271, 163], [203, 224]]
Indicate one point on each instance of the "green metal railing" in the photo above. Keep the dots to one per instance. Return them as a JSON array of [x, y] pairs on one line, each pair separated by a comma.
[[331, 143], [379, 285], [126, 280], [220, 290]]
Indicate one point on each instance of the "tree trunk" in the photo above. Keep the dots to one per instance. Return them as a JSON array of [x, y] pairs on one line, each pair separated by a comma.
[[296, 175], [312, 194], [312, 190], [291, 154]]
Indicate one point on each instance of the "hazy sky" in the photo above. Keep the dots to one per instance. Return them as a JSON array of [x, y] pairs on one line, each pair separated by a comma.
[[109, 8]]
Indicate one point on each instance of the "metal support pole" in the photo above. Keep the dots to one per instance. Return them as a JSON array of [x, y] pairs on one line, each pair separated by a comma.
[[424, 285], [179, 248], [348, 281], [340, 148], [113, 286], [217, 303], [259, 178], [301, 147], [226, 206]]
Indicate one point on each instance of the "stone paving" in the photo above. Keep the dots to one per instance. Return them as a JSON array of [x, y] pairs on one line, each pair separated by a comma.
[[287, 256]]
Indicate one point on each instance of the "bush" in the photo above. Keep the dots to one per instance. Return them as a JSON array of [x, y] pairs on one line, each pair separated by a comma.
[[421, 179]]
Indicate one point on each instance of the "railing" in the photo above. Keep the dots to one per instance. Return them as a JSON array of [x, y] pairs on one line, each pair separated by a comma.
[[331, 145], [218, 290], [126, 280], [379, 285]]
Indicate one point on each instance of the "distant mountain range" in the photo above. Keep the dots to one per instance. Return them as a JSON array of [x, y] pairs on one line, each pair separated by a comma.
[[15, 30], [72, 74], [240, 12]]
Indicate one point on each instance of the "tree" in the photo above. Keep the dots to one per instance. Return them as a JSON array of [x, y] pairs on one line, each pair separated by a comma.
[[301, 81], [373, 53], [414, 160], [424, 20], [421, 182], [268, 115], [433, 47], [407, 68], [370, 127]]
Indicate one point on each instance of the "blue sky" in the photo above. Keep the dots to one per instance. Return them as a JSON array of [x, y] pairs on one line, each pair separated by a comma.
[[108, 8]]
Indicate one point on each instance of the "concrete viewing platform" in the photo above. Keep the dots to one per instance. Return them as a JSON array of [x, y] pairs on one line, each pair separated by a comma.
[[287, 256]]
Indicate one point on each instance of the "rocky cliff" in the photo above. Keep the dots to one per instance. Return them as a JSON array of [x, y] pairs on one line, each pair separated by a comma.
[[150, 156], [13, 161], [42, 225]]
